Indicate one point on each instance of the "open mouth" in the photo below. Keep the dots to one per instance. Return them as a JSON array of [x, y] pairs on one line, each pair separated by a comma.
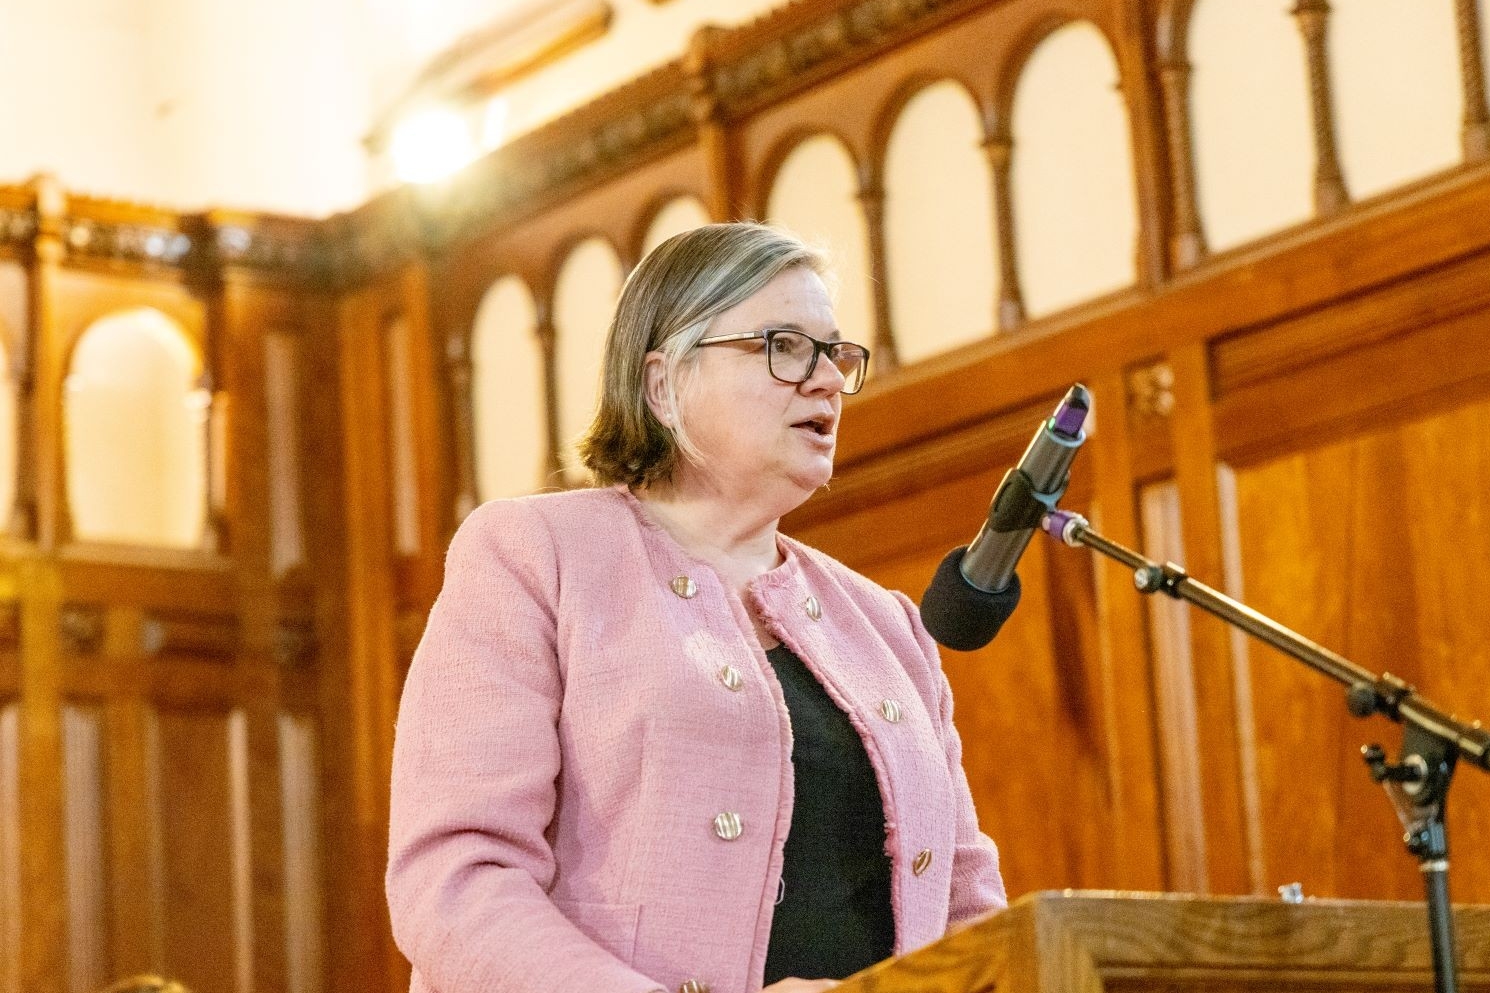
[[821, 424]]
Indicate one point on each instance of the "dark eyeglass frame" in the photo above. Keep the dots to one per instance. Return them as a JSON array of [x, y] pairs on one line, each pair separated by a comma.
[[818, 348]]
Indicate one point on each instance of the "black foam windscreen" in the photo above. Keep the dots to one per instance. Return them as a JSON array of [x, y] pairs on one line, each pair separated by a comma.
[[957, 613]]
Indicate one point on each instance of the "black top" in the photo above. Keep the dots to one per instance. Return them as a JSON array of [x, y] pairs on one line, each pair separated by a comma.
[[834, 917]]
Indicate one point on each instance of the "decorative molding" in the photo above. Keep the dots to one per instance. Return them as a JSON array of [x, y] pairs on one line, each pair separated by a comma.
[[521, 176], [135, 243], [314, 258], [295, 643], [212, 637], [1150, 390], [17, 227], [768, 67], [81, 627]]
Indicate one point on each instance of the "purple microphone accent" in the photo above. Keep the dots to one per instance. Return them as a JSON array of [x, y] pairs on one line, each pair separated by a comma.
[[1055, 523], [1072, 412]]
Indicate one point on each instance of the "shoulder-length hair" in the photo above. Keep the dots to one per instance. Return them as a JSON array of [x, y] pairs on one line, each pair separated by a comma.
[[666, 306]]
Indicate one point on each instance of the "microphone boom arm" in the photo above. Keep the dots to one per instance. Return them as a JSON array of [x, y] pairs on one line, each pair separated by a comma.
[[1432, 739]]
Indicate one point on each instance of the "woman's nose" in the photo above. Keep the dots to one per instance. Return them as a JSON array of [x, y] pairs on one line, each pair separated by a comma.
[[826, 377]]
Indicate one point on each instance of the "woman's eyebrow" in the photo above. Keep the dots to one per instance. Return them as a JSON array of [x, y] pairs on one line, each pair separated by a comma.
[[834, 335]]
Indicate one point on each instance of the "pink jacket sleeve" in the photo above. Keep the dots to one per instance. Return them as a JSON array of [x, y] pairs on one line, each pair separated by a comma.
[[474, 767], [977, 884]]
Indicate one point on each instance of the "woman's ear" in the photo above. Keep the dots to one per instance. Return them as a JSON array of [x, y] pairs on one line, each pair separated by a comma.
[[654, 373]]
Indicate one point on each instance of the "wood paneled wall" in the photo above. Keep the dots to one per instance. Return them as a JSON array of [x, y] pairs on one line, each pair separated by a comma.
[[194, 746]]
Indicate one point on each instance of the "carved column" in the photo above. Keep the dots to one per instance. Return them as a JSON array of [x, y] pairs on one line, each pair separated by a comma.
[[999, 148], [708, 119], [458, 372], [872, 200], [1187, 240], [1330, 195], [224, 309], [22, 523], [1476, 134], [215, 427], [41, 503], [544, 328]]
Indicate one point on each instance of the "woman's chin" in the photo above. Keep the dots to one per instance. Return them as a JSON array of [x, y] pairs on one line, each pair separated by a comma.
[[810, 479]]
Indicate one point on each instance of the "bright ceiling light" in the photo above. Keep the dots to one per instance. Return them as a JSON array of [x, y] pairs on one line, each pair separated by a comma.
[[494, 123], [431, 145]]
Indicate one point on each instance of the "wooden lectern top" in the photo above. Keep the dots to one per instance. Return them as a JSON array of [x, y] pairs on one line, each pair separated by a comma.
[[1086, 942]]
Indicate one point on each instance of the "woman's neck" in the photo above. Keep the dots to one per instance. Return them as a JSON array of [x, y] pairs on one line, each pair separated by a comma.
[[737, 539]]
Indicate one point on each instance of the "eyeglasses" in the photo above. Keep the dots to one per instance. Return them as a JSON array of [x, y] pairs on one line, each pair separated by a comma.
[[791, 356]]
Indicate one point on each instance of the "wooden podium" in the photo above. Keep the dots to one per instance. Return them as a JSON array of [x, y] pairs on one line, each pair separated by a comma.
[[1085, 942]]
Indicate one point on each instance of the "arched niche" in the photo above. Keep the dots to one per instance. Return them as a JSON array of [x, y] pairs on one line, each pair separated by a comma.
[[508, 422], [135, 433], [940, 247], [585, 293], [683, 213], [1249, 112], [8, 438], [1399, 102], [1075, 204], [815, 196]]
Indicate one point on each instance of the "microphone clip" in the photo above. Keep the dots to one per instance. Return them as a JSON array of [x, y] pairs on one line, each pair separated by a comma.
[[1019, 506]]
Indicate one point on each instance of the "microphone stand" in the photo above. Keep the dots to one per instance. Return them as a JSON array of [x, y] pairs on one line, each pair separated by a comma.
[[1432, 740]]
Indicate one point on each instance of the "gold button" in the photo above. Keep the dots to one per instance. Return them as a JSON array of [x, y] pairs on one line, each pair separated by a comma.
[[730, 677], [922, 862], [694, 986], [891, 710], [727, 825], [685, 587], [813, 608]]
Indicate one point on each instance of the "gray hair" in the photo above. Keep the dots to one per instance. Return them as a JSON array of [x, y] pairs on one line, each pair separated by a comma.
[[666, 306]]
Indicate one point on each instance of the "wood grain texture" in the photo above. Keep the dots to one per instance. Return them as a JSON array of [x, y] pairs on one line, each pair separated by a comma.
[[198, 847], [10, 847], [89, 962], [1384, 529], [1121, 941]]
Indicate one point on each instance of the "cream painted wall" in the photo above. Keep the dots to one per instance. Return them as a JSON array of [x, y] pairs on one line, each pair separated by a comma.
[[189, 103], [1075, 205], [511, 437], [940, 245], [261, 104], [1398, 106], [1254, 158], [585, 294], [75, 102], [676, 216], [135, 444], [814, 196]]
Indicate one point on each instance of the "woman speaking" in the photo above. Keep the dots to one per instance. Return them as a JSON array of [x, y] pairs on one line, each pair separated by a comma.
[[648, 743]]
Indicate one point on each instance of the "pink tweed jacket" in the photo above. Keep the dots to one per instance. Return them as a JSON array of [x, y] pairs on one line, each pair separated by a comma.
[[592, 778]]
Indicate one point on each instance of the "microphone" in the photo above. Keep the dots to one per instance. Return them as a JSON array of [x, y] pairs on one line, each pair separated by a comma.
[[975, 588]]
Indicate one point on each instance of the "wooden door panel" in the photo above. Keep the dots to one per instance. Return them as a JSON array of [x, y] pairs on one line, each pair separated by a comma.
[[1374, 547], [200, 894]]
